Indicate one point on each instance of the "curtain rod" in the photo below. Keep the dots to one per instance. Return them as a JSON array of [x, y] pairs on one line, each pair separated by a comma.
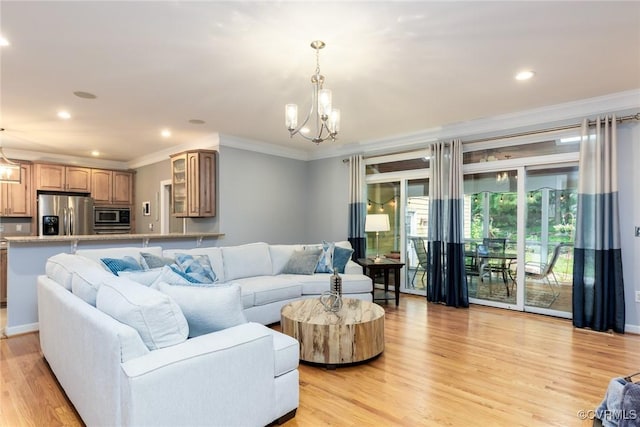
[[555, 129], [531, 132]]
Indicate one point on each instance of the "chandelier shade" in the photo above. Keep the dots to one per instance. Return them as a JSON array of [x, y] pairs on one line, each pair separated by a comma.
[[9, 171], [321, 116]]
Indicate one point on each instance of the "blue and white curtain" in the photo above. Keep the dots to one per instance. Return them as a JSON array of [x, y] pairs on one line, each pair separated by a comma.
[[598, 288], [357, 206], [447, 281]]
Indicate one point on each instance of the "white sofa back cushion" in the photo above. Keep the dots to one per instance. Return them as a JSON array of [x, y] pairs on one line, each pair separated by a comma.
[[60, 267], [280, 255], [214, 254], [87, 279], [246, 261], [207, 309], [98, 254], [156, 317]]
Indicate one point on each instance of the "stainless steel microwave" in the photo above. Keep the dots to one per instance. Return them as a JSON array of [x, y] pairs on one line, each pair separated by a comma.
[[111, 216]]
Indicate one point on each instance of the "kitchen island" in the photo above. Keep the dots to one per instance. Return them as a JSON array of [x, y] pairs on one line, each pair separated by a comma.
[[27, 256]]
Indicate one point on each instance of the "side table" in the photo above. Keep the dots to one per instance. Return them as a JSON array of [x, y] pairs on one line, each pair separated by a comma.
[[385, 265]]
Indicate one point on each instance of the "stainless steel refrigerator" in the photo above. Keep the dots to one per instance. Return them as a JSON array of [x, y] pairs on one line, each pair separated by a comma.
[[64, 214]]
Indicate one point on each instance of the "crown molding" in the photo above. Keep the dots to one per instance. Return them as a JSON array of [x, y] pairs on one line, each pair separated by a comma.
[[263, 147], [37, 156], [538, 117], [209, 142]]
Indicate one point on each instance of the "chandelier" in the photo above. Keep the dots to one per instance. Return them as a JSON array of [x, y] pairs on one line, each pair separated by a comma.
[[327, 120], [9, 171]]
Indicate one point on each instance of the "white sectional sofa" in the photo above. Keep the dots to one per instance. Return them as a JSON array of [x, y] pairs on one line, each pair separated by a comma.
[[127, 354]]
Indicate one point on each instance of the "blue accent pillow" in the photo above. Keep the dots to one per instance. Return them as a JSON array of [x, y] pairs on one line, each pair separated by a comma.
[[196, 267], [127, 263], [341, 257], [325, 263]]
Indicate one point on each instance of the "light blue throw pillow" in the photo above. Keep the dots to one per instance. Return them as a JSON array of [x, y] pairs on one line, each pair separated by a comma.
[[325, 264], [341, 257], [127, 263], [196, 267], [207, 309]]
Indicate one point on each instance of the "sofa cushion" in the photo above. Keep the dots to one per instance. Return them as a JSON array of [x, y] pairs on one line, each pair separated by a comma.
[[207, 309], [86, 279], [97, 254], [280, 255], [268, 289], [319, 283], [303, 262], [214, 254], [287, 352], [60, 267], [246, 261], [197, 267], [156, 317], [126, 263]]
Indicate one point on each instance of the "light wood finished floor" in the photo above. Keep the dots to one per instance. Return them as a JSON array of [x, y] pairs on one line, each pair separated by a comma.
[[441, 367]]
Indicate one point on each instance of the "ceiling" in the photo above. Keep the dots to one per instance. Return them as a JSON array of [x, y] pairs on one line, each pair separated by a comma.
[[395, 68]]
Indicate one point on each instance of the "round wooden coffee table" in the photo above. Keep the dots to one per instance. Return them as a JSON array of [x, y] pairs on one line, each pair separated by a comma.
[[353, 334]]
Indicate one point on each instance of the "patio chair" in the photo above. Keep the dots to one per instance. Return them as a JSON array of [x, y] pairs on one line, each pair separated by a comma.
[[495, 246], [421, 254], [544, 272]]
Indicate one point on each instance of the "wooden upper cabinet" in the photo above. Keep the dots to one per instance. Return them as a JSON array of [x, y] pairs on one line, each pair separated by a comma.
[[16, 199], [193, 183], [50, 177], [101, 185], [112, 187]]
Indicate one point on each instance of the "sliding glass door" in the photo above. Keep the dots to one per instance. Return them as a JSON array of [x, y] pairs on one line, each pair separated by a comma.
[[416, 216], [490, 227], [551, 201]]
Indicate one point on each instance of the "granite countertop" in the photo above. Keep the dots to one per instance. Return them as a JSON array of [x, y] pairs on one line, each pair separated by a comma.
[[106, 237]]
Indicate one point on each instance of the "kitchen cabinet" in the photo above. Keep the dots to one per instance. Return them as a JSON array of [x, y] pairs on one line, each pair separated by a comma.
[[193, 183], [111, 187], [3, 277], [53, 177], [16, 199]]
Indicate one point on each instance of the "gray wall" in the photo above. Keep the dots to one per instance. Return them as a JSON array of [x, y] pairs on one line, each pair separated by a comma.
[[262, 197], [629, 176], [328, 208], [147, 185]]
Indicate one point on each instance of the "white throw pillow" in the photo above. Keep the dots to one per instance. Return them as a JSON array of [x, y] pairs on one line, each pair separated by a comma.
[[60, 267], [156, 317], [246, 261], [207, 309]]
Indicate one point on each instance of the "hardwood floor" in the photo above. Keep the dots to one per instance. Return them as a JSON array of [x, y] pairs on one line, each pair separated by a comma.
[[441, 366]]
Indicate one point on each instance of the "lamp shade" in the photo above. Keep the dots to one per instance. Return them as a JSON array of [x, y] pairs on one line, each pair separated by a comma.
[[376, 222]]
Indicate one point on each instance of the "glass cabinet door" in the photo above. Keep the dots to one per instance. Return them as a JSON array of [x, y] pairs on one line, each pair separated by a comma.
[[179, 185]]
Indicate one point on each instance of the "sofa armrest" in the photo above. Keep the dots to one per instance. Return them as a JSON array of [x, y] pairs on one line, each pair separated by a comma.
[[225, 377], [352, 267]]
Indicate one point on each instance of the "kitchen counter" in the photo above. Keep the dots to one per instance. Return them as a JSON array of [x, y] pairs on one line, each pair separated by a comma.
[[107, 237], [27, 257]]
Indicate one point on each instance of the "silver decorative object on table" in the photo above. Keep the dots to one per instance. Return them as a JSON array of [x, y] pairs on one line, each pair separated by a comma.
[[332, 299]]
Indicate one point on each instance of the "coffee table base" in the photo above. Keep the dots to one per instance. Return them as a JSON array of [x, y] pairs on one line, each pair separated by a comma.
[[351, 335]]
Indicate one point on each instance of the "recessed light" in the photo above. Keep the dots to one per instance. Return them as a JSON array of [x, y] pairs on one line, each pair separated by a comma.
[[3, 41], [64, 115], [95, 153], [525, 75], [196, 122], [166, 133], [85, 95]]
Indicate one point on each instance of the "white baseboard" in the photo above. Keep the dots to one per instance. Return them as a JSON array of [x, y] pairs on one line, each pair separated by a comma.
[[22, 329], [632, 329]]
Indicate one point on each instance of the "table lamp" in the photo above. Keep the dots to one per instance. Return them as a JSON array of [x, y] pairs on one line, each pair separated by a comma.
[[377, 223]]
